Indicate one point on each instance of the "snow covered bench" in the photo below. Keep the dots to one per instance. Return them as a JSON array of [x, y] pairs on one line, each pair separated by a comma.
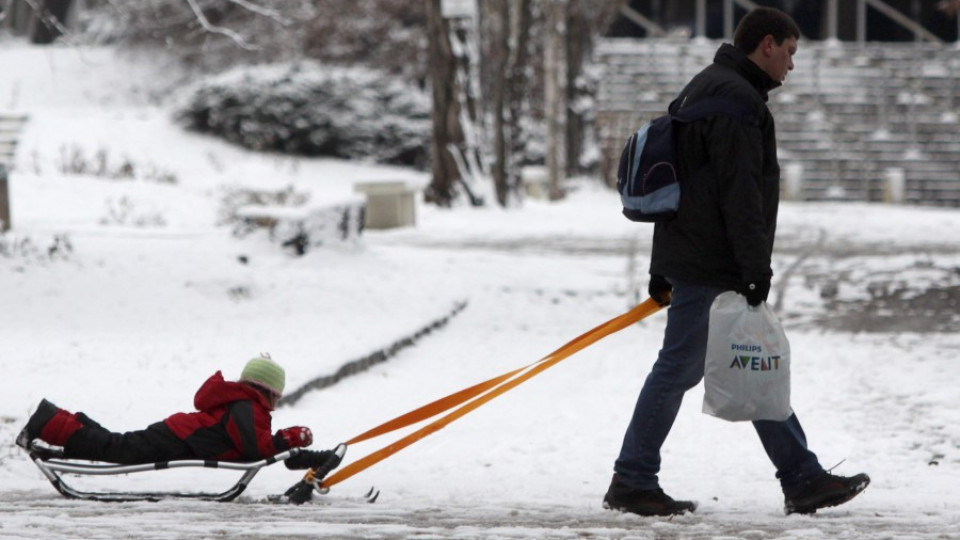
[[390, 204], [536, 182], [303, 227], [52, 469]]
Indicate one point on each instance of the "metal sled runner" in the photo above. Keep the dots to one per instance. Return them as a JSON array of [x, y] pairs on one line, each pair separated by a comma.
[[52, 468]]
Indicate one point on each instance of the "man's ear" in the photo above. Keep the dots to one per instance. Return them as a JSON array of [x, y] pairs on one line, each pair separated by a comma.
[[766, 45]]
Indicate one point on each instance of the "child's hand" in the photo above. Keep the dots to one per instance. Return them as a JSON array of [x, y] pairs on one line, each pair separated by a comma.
[[296, 436]]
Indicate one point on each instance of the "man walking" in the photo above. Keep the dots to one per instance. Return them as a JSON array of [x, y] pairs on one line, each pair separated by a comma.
[[721, 239]]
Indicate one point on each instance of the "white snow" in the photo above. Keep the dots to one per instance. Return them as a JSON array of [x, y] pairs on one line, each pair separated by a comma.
[[153, 299]]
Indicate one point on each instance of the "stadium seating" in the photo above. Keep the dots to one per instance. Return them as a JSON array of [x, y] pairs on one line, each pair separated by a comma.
[[849, 118]]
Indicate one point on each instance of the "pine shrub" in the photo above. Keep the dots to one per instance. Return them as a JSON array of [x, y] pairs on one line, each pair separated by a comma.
[[312, 110]]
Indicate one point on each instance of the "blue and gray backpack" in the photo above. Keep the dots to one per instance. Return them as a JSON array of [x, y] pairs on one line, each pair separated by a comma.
[[648, 178]]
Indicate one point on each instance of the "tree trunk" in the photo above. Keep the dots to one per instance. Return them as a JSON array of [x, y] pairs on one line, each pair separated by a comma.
[[554, 88], [578, 46], [446, 109], [5, 224], [49, 22], [518, 81], [499, 28], [507, 63]]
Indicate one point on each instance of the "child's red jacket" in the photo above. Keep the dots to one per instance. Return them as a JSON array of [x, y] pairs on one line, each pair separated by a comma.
[[232, 423]]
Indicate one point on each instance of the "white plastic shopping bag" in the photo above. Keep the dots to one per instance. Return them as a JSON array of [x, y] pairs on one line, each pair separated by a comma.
[[747, 371]]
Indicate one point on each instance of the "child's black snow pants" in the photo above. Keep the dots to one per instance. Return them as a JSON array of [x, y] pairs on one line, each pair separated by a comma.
[[95, 443]]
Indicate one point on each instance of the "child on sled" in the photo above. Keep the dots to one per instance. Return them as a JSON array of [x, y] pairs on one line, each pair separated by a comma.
[[232, 423]]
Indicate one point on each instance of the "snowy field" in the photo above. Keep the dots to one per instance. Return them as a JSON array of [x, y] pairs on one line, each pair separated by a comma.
[[119, 297]]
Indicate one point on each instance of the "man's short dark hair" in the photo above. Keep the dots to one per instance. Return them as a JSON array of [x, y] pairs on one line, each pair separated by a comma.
[[761, 22]]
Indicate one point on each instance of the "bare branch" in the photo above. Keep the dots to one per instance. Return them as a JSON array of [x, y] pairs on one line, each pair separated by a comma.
[[236, 37], [264, 11]]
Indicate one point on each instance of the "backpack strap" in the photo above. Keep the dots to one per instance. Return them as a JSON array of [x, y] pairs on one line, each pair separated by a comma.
[[681, 111]]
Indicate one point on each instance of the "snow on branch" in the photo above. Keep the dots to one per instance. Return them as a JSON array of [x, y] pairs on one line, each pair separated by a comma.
[[208, 26], [263, 11]]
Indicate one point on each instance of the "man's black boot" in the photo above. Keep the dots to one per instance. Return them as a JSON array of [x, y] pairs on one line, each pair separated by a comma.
[[645, 502], [823, 491]]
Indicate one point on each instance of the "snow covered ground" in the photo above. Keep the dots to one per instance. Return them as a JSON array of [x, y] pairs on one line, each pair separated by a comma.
[[151, 297]]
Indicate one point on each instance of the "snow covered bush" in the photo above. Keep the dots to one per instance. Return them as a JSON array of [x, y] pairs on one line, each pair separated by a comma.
[[234, 198], [74, 160], [25, 249], [313, 110], [128, 213]]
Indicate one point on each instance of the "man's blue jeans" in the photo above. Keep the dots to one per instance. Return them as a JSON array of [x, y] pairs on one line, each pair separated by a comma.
[[679, 368]]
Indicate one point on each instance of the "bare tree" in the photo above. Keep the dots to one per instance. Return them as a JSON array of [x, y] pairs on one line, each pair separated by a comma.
[[499, 27], [42, 20], [510, 76], [571, 29], [389, 35], [210, 34], [586, 20], [555, 104], [446, 109], [578, 45], [508, 26]]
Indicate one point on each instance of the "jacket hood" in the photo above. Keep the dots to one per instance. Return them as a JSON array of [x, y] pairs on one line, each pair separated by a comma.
[[735, 59], [216, 392]]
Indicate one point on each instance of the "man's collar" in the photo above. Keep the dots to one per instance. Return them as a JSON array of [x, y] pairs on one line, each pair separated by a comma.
[[734, 58]]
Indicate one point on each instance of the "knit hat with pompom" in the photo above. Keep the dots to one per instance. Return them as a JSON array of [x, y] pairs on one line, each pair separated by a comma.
[[263, 371]]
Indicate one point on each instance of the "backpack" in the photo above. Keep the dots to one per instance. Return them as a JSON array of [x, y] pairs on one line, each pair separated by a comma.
[[648, 177]]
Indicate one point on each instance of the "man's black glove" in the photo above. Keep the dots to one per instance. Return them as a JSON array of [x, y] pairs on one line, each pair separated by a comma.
[[660, 289], [312, 459], [756, 291]]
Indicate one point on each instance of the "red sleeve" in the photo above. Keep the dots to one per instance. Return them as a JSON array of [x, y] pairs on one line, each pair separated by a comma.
[[249, 428]]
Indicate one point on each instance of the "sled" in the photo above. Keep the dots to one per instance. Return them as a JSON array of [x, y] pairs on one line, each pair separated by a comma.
[[53, 468]]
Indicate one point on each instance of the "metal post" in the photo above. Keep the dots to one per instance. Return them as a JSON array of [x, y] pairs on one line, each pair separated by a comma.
[[861, 21], [4, 200], [728, 20], [832, 19], [915, 11], [702, 18]]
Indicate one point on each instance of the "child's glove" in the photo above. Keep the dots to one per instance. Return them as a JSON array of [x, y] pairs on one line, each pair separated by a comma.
[[296, 436]]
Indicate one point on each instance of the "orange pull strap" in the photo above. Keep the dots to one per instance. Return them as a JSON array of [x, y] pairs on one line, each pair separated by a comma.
[[489, 390], [435, 407]]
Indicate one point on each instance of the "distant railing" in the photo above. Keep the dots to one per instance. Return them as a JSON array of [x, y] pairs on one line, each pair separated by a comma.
[[871, 123], [832, 7], [918, 30], [653, 29]]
